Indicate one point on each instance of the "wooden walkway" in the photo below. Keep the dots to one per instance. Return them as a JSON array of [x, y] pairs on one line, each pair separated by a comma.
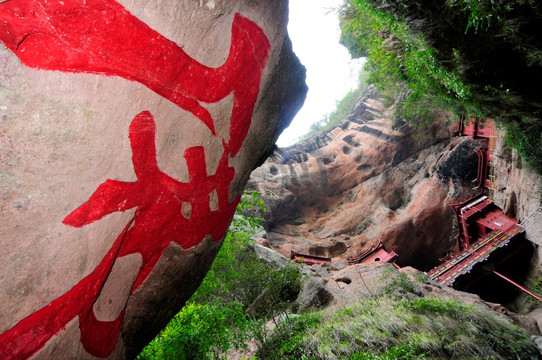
[[462, 263]]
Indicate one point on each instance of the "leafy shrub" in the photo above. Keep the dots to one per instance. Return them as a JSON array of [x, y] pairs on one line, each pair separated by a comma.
[[398, 284], [238, 275], [536, 286], [483, 15], [526, 138], [249, 213], [238, 295], [200, 332], [398, 56]]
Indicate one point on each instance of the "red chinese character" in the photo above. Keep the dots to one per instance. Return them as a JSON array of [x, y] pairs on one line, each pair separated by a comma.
[[101, 37]]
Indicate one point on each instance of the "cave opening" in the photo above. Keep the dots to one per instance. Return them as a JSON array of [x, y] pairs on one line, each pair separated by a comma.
[[513, 261]]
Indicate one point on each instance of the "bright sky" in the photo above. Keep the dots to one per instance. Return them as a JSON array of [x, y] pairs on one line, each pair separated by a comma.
[[314, 29]]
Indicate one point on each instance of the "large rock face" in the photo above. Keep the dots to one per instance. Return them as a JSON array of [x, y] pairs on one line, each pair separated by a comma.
[[518, 191], [128, 129], [365, 181], [518, 188]]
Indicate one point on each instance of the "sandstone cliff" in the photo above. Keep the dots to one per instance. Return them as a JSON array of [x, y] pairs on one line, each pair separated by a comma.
[[367, 180], [518, 191]]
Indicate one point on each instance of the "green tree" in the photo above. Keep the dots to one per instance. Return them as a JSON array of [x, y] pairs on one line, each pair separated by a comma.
[[200, 331], [239, 294]]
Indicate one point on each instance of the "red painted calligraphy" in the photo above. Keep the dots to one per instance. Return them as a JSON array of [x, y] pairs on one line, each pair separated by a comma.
[[84, 36], [102, 37]]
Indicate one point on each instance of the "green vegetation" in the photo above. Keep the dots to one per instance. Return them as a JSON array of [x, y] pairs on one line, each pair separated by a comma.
[[398, 56], [200, 331], [535, 285], [444, 56], [492, 15], [397, 284], [240, 293], [401, 326], [527, 140]]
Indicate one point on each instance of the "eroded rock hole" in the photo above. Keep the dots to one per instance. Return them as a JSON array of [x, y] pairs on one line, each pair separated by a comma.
[[349, 139], [326, 161], [345, 280]]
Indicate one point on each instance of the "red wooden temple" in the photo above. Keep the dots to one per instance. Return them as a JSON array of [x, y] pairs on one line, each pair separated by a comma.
[[475, 128], [487, 238], [374, 254], [308, 259], [479, 128], [483, 228], [478, 216]]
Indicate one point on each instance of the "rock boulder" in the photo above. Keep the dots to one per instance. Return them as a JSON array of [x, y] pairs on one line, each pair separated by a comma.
[[128, 129]]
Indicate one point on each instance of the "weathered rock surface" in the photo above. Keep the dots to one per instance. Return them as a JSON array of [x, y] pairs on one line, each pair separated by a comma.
[[337, 288], [330, 287], [365, 181], [127, 130], [518, 191]]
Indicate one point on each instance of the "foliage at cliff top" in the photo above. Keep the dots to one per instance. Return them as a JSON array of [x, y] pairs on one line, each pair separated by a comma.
[[481, 58]]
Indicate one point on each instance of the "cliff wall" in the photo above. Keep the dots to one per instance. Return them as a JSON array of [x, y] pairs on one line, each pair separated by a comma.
[[370, 179]]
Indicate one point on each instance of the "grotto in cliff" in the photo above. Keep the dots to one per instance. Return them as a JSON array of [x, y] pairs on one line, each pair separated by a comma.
[[147, 213]]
